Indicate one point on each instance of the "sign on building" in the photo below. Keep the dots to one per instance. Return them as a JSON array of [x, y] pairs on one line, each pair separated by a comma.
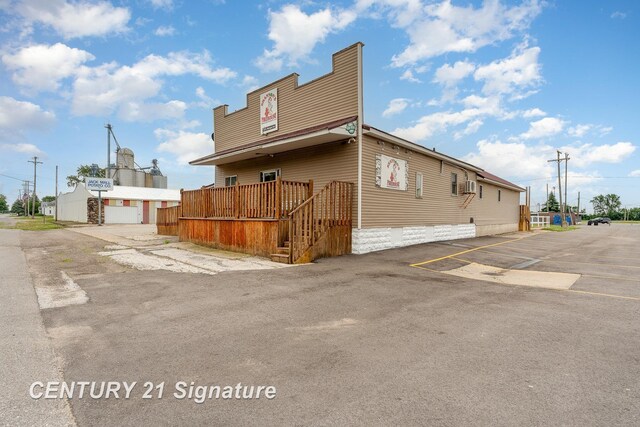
[[98, 184], [391, 173], [269, 111]]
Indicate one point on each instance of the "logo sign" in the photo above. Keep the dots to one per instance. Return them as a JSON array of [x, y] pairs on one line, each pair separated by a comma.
[[391, 173], [269, 111], [98, 184]]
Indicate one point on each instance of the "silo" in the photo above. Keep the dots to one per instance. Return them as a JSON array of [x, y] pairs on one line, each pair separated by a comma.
[[125, 159], [159, 181], [127, 177], [140, 178]]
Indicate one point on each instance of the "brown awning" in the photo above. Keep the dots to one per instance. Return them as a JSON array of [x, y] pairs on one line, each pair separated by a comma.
[[316, 135]]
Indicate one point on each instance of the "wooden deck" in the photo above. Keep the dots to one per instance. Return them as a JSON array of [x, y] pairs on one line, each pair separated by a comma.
[[281, 219]]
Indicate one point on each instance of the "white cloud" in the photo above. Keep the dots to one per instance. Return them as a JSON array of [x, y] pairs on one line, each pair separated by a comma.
[[512, 159], [165, 30], [146, 112], [18, 117], [76, 19], [534, 112], [408, 76], [579, 131], [544, 128], [471, 128], [605, 130], [186, 146], [439, 28], [476, 107], [635, 173], [619, 15], [437, 122], [109, 87], [42, 67], [295, 34], [162, 4], [506, 76], [249, 83], [449, 76], [205, 100], [586, 154], [396, 106], [22, 147]]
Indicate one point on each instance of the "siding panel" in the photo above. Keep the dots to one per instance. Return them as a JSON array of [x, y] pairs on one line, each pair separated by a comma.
[[392, 208], [331, 97], [322, 163]]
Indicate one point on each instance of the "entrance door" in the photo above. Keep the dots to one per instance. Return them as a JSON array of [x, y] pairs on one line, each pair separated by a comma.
[[145, 212]]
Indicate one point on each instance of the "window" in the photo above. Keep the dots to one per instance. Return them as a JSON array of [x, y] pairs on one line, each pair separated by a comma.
[[499, 195], [270, 175], [454, 184], [230, 181], [480, 191], [418, 185]]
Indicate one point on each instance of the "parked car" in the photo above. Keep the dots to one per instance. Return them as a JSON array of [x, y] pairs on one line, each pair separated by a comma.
[[599, 220]]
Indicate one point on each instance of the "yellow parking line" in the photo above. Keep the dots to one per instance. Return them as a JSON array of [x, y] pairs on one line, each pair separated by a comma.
[[465, 252], [602, 295], [562, 261], [626, 279]]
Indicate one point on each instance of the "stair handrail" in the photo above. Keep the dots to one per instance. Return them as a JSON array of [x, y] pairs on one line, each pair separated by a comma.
[[314, 229]]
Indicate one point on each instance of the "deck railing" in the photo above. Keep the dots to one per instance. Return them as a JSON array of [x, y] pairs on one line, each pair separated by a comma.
[[273, 199]]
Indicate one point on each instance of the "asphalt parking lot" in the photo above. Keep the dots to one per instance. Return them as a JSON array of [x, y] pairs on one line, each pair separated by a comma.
[[394, 337]]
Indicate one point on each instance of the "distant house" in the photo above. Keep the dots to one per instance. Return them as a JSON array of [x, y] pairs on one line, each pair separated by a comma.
[[122, 205], [48, 208]]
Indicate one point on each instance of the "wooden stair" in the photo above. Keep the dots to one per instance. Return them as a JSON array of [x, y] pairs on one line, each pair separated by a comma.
[[282, 254], [321, 226]]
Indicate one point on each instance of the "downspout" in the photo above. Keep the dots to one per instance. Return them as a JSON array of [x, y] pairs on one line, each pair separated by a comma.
[[360, 122]]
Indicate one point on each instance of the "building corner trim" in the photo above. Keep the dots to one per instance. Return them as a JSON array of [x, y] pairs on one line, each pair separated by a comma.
[[360, 129]]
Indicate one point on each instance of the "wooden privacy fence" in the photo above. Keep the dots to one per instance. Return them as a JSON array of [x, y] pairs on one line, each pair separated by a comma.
[[273, 199], [321, 226], [167, 220]]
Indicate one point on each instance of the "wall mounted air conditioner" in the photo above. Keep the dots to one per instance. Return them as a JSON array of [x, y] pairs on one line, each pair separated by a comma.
[[470, 187]]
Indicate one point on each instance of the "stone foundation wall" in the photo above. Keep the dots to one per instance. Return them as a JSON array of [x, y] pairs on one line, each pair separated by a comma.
[[92, 210], [376, 239]]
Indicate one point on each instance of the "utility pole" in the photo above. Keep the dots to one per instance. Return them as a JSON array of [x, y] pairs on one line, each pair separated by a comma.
[[26, 187], [566, 199], [546, 203], [108, 126], [33, 203], [578, 203], [55, 218], [558, 160]]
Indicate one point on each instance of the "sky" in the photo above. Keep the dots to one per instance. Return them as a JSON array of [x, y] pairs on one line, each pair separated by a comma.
[[500, 84]]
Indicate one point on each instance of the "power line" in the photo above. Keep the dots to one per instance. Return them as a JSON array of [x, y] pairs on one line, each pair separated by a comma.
[[12, 177]]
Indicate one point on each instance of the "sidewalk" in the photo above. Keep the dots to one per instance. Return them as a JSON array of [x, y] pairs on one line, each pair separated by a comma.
[[25, 350], [138, 246]]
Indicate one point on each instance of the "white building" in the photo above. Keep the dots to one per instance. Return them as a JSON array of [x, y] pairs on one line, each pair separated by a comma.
[[122, 205]]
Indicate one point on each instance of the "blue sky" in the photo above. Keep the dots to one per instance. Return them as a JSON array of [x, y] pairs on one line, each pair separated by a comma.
[[499, 84]]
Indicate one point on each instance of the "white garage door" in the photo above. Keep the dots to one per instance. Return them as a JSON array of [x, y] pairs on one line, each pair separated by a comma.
[[121, 215]]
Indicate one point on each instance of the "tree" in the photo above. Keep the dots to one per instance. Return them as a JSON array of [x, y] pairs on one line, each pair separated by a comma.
[[608, 205], [18, 207], [3, 203], [49, 198], [82, 172], [552, 204]]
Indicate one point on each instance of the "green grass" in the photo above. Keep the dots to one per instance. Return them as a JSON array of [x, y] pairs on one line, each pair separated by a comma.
[[36, 224], [626, 222], [559, 228]]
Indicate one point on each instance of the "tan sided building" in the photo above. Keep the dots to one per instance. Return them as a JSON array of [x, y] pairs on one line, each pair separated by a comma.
[[403, 193]]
